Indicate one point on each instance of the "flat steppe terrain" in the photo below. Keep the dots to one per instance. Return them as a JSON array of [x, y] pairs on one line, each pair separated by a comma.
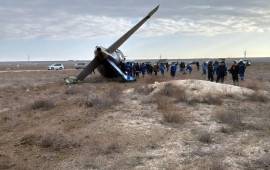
[[156, 122]]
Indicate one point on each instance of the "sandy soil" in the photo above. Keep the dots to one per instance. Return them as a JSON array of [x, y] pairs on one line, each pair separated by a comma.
[[104, 124]]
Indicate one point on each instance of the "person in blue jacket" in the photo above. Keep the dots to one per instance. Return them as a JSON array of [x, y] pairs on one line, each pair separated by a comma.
[[242, 69], [173, 70], [143, 69], [204, 67], [127, 68], [189, 68], [162, 68], [216, 65]]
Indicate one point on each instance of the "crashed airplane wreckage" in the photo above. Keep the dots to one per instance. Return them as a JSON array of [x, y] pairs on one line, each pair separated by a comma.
[[108, 60]]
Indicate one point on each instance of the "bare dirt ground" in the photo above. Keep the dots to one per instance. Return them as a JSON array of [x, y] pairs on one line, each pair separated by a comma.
[[154, 123]]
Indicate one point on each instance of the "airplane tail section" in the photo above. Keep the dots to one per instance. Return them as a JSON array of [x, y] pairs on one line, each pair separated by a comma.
[[121, 40]]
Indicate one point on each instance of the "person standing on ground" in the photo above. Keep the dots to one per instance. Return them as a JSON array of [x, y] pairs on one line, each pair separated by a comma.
[[216, 65], [167, 66], [137, 70], [221, 72], [210, 71], [162, 68], [204, 66], [234, 70], [150, 69], [156, 69], [189, 68], [143, 69], [242, 69], [173, 70], [198, 65]]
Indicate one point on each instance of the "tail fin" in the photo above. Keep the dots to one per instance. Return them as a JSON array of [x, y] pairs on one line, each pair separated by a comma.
[[121, 40]]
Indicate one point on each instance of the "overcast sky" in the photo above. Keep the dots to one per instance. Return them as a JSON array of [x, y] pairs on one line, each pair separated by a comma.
[[70, 29]]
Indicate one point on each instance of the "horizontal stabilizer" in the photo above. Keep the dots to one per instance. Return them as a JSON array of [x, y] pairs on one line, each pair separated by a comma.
[[89, 69], [121, 40]]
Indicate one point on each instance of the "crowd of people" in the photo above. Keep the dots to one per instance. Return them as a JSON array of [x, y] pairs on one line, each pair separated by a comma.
[[217, 70]]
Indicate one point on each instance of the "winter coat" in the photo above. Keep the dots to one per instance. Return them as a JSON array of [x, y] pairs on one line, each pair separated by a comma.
[[234, 70], [221, 71], [173, 68], [242, 67]]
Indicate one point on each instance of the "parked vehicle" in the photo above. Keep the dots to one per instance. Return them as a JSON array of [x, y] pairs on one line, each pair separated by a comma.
[[192, 62], [80, 65], [55, 66], [247, 62]]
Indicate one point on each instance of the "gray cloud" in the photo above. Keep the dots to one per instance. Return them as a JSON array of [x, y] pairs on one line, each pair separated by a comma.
[[86, 19]]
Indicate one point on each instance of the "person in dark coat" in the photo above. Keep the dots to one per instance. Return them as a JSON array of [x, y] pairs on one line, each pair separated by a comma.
[[156, 69], [198, 65], [234, 70], [242, 69], [210, 71], [137, 70], [167, 66], [221, 72]]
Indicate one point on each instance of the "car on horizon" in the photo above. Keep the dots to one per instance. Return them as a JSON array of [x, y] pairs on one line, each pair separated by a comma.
[[80, 65], [245, 61], [193, 62], [56, 66]]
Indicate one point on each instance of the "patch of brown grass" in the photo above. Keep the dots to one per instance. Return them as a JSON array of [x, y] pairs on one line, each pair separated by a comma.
[[233, 118], [257, 97], [56, 139], [205, 137], [178, 93], [144, 90], [73, 90], [170, 112], [212, 99], [43, 104], [254, 85], [6, 162]]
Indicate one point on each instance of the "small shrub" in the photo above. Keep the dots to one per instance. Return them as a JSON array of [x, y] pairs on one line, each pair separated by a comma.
[[42, 104], [145, 90], [211, 99], [172, 116], [225, 130], [205, 137], [251, 85], [257, 97], [72, 90], [56, 140], [230, 117], [110, 149], [178, 93]]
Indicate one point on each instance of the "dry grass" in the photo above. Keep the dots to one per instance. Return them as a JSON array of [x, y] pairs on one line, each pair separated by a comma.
[[73, 90], [212, 99], [6, 162], [233, 118], [257, 97], [263, 162], [175, 92], [170, 112], [254, 85], [205, 137], [43, 104], [56, 139], [144, 90]]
